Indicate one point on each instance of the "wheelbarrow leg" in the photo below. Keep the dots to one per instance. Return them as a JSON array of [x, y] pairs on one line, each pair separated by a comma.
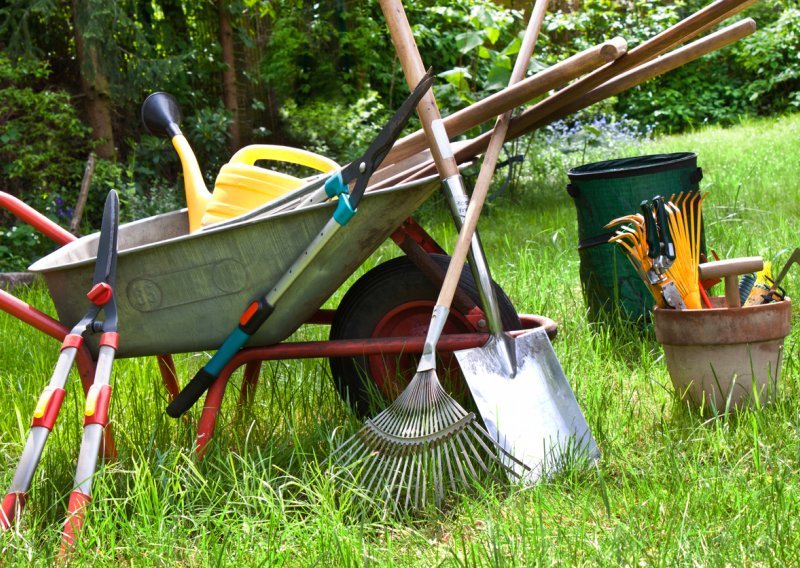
[[211, 406], [249, 383], [169, 375]]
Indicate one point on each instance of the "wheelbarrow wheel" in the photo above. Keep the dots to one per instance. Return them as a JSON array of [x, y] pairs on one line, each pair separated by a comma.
[[396, 299]]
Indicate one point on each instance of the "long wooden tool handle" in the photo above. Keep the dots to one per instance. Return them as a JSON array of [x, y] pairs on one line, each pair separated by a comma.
[[529, 121], [412, 65], [511, 97], [489, 162]]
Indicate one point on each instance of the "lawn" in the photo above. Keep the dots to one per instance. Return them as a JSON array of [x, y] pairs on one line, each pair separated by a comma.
[[672, 487]]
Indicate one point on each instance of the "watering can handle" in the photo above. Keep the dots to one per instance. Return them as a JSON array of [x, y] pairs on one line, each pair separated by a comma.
[[249, 155]]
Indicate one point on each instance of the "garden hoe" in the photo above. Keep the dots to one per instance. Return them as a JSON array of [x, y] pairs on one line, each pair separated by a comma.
[[425, 441]]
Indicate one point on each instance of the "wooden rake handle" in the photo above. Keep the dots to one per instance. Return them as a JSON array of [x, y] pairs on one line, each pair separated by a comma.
[[730, 269], [411, 61]]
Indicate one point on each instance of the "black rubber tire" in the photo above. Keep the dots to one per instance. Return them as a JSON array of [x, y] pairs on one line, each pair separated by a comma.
[[376, 294]]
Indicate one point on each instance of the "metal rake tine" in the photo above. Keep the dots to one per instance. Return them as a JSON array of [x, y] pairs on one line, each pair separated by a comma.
[[360, 444], [385, 465], [402, 481], [439, 486], [348, 443], [498, 451], [395, 464], [444, 447], [378, 459], [459, 466], [477, 456], [410, 481], [423, 478], [466, 455]]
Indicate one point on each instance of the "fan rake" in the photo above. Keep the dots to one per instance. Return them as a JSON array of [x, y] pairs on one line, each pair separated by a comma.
[[421, 445]]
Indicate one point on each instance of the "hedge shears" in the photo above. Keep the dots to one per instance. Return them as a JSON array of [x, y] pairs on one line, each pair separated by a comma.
[[102, 298], [661, 251]]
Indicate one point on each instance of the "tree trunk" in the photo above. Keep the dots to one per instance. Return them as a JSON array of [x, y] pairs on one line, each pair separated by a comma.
[[229, 91], [94, 85]]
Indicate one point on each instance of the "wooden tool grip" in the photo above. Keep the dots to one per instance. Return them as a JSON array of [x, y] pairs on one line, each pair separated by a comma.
[[730, 269], [513, 96]]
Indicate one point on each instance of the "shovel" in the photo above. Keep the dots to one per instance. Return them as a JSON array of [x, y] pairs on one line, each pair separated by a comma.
[[518, 385]]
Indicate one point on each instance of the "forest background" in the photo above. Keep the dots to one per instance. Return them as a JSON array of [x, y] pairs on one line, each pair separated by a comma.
[[322, 76]]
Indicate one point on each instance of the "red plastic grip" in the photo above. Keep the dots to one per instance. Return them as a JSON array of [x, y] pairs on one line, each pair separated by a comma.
[[11, 504], [248, 313], [72, 340], [76, 513], [110, 339], [100, 293], [53, 405], [97, 403]]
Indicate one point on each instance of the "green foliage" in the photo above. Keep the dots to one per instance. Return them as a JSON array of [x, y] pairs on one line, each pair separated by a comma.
[[207, 128], [335, 129], [771, 57], [324, 75], [43, 148], [758, 75]]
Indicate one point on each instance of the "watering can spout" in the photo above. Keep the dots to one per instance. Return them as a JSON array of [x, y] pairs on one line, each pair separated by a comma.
[[161, 116], [197, 195]]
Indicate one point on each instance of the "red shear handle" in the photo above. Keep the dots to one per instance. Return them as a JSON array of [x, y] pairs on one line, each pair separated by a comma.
[[76, 513], [98, 399], [12, 503], [48, 407]]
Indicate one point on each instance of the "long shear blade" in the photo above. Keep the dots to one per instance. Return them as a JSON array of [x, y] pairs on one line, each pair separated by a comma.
[[106, 263], [363, 167]]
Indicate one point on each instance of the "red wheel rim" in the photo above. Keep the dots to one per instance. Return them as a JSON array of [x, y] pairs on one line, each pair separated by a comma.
[[390, 374]]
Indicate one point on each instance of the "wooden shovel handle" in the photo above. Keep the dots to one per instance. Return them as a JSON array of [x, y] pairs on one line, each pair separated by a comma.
[[412, 65]]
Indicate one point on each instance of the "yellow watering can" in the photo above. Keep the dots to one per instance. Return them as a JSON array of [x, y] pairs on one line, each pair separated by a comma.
[[241, 185]]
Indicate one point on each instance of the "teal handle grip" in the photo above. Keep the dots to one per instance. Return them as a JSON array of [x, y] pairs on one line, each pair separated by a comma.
[[344, 211], [206, 376], [335, 185]]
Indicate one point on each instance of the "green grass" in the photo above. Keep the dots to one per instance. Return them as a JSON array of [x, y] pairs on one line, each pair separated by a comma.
[[673, 487]]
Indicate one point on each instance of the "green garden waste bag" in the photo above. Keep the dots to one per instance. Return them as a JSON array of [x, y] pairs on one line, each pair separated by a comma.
[[603, 191]]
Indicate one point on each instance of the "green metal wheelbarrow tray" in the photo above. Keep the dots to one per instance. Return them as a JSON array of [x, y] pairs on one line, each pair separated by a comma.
[[181, 292]]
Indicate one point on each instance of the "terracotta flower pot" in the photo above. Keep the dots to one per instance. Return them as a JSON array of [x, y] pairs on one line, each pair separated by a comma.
[[724, 357]]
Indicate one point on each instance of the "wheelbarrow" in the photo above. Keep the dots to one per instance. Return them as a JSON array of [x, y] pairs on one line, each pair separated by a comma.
[[181, 292]]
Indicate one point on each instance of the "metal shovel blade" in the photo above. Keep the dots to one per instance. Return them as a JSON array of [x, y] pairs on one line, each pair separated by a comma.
[[532, 415]]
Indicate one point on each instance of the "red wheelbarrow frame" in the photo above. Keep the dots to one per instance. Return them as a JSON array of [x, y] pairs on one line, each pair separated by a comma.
[[410, 237]]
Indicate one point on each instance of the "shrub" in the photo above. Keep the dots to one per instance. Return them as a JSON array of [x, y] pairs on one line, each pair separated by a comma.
[[43, 149]]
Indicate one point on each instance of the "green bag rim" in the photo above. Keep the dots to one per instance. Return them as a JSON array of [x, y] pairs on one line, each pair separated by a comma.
[[635, 166]]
